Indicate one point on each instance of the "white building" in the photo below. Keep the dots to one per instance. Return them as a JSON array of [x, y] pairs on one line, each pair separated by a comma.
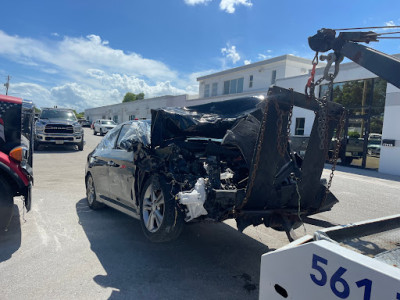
[[139, 109], [251, 79]]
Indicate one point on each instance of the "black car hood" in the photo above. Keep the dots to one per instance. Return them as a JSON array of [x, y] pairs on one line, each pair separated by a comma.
[[211, 120]]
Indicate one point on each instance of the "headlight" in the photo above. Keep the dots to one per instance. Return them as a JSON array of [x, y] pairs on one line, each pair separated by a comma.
[[39, 126], [77, 128]]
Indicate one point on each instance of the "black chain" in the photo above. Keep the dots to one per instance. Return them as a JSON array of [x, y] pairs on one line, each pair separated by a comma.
[[258, 155], [339, 131]]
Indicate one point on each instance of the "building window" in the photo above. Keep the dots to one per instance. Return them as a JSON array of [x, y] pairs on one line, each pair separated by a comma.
[[103, 117], [251, 81], [115, 119], [131, 117], [233, 86], [299, 130], [214, 90], [206, 91], [273, 77], [226, 87]]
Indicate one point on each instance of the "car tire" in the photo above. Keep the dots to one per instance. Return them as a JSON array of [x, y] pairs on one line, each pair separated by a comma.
[[91, 194], [36, 146], [6, 203], [80, 145], [347, 161], [161, 219]]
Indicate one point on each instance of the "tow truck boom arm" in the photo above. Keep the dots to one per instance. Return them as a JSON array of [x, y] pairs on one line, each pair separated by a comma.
[[347, 44]]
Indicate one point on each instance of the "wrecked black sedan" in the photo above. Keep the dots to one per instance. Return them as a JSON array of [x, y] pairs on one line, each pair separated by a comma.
[[216, 161]]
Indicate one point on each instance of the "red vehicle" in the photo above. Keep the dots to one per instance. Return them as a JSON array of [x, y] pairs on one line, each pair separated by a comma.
[[16, 151]]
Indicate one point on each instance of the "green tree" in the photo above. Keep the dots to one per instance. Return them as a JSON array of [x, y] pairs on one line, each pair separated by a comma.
[[80, 115], [129, 97]]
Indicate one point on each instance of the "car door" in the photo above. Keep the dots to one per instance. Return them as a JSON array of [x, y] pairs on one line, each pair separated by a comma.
[[121, 172], [101, 160]]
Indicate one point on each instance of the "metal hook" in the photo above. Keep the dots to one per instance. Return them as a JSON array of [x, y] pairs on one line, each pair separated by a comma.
[[331, 58]]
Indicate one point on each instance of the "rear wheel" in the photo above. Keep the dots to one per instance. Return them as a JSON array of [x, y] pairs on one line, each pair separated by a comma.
[[6, 203], [161, 219], [91, 194]]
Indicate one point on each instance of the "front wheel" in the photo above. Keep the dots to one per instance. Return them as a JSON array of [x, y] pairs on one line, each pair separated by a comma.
[[80, 145], [6, 203], [160, 218]]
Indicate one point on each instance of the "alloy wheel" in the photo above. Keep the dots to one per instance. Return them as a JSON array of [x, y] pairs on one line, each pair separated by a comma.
[[90, 193], [153, 208]]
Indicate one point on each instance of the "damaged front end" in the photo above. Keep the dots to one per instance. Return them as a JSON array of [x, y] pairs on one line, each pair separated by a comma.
[[233, 159]]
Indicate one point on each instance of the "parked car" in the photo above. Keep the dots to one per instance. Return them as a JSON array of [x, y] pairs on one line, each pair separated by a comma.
[[196, 163], [102, 126], [58, 126], [85, 123], [374, 146]]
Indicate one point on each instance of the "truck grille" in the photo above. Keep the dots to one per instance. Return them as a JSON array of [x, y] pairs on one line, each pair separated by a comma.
[[59, 128]]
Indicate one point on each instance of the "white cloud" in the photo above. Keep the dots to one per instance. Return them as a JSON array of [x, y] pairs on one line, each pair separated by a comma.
[[247, 61], [230, 5], [231, 53], [195, 2], [76, 55], [104, 89], [390, 23], [263, 56], [87, 72]]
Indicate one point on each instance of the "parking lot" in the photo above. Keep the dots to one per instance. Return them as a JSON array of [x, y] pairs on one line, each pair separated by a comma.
[[62, 249]]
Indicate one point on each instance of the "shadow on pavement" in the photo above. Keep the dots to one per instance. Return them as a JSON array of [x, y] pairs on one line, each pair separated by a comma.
[[208, 261], [364, 172], [45, 149], [10, 240]]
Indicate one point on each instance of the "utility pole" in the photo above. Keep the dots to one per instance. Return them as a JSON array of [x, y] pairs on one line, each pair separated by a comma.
[[7, 84]]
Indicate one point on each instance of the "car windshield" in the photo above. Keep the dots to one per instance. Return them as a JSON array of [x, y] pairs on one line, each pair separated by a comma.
[[108, 122], [374, 142], [58, 114]]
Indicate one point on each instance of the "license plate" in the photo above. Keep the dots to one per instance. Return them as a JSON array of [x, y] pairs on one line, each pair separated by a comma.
[[59, 142]]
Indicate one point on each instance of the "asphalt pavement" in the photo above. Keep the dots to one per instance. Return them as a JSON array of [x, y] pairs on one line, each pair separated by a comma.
[[62, 249]]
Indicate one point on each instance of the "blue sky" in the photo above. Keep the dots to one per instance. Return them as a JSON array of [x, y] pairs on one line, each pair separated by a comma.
[[83, 54]]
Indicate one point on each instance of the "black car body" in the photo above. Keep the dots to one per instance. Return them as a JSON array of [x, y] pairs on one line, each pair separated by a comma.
[[214, 161]]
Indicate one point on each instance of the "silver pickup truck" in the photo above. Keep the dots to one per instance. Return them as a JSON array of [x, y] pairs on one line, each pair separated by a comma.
[[58, 126]]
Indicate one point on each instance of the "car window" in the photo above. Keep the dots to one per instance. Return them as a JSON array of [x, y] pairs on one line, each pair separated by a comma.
[[109, 140], [122, 133], [138, 131]]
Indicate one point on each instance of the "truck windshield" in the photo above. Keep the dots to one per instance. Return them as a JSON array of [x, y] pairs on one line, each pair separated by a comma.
[[58, 114]]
